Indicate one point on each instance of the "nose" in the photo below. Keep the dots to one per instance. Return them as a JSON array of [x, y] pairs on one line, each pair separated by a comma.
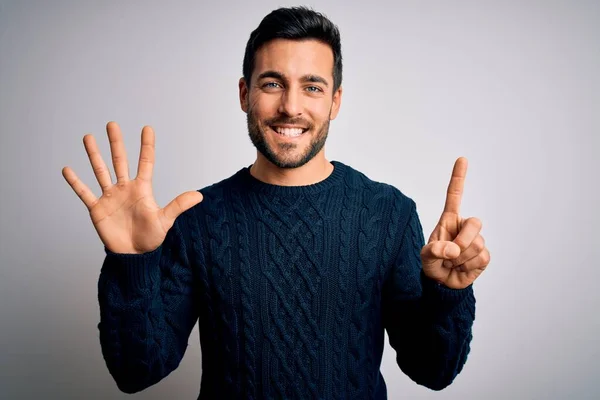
[[291, 103]]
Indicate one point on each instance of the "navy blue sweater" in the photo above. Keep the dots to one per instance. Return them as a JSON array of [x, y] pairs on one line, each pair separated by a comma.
[[293, 288]]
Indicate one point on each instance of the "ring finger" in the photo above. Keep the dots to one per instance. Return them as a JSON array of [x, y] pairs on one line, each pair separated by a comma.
[[480, 261]]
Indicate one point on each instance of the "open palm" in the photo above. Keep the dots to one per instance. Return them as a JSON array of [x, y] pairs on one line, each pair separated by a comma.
[[126, 216]]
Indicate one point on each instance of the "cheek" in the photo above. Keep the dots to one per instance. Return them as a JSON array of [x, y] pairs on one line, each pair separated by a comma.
[[264, 105], [320, 111]]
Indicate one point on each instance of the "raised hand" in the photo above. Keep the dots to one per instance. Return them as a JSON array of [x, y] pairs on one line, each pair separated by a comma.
[[126, 216], [455, 254]]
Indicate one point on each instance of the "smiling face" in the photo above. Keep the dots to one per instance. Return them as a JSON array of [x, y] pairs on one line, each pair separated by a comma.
[[290, 101]]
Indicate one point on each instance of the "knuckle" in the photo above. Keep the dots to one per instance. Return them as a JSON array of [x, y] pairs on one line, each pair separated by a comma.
[[476, 222], [461, 243], [179, 205], [478, 245], [485, 258]]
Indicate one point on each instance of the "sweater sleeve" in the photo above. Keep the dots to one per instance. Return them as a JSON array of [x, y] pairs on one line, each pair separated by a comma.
[[148, 307], [429, 325]]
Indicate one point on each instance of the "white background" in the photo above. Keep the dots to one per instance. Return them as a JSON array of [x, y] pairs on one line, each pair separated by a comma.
[[512, 85]]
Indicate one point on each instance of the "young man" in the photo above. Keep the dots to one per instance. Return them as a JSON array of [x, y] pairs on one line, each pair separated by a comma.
[[293, 266]]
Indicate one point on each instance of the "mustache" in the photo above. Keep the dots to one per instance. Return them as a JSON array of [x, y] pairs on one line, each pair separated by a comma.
[[282, 120]]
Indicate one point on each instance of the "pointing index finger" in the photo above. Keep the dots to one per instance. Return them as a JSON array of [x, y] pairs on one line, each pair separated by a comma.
[[455, 187]]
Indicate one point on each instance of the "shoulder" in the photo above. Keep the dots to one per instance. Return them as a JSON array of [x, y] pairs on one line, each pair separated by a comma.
[[358, 181], [219, 187], [214, 197]]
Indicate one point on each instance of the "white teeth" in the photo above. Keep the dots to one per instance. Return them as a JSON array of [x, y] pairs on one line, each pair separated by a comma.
[[291, 132]]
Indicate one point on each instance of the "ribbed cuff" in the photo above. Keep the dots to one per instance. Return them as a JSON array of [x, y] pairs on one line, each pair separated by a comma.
[[136, 272], [447, 298]]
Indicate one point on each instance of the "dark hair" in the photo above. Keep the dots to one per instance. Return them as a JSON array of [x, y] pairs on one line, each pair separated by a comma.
[[296, 23]]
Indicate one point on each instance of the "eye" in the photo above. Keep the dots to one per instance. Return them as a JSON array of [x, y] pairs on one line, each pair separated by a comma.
[[271, 85], [314, 89]]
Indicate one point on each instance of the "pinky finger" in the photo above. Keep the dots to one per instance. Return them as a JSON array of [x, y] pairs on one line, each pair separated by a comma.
[[84, 193]]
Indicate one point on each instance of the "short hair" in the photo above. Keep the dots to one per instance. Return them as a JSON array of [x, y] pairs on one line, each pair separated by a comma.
[[295, 23]]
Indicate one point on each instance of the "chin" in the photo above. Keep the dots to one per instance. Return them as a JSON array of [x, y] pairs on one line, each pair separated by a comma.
[[286, 153], [287, 162]]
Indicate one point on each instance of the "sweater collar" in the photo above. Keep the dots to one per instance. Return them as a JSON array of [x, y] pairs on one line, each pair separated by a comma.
[[254, 184]]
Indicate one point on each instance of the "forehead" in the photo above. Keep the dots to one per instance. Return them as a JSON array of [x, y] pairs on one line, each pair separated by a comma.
[[295, 58]]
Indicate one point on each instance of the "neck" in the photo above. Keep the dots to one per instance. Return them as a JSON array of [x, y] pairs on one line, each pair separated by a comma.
[[314, 171]]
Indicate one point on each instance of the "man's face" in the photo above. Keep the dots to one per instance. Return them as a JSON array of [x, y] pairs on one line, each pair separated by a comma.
[[290, 100]]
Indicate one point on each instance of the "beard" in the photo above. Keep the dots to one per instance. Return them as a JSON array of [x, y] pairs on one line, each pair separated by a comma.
[[286, 157]]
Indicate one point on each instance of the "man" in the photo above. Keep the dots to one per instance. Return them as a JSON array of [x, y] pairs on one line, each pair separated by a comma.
[[294, 266]]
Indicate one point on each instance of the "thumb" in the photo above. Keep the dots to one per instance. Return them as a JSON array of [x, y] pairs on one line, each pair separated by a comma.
[[439, 250], [182, 203]]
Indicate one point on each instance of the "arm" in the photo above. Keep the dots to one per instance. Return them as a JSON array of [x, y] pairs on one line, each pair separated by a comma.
[[428, 324], [148, 307]]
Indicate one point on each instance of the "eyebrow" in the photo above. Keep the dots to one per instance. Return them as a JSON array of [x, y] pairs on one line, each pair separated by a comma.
[[306, 78]]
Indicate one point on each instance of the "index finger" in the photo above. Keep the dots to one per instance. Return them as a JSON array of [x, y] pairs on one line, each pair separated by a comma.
[[455, 187]]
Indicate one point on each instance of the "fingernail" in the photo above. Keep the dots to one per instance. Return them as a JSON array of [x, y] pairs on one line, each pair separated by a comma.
[[446, 251], [448, 264]]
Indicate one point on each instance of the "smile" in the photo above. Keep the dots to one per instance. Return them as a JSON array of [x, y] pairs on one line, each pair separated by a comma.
[[289, 131]]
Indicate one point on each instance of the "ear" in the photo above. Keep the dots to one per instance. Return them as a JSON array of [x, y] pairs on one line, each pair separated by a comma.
[[337, 102], [243, 88]]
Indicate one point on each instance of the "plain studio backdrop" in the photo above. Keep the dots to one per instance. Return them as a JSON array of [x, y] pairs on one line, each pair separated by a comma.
[[513, 86]]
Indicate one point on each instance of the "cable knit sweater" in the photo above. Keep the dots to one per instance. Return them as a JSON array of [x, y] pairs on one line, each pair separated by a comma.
[[292, 287]]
